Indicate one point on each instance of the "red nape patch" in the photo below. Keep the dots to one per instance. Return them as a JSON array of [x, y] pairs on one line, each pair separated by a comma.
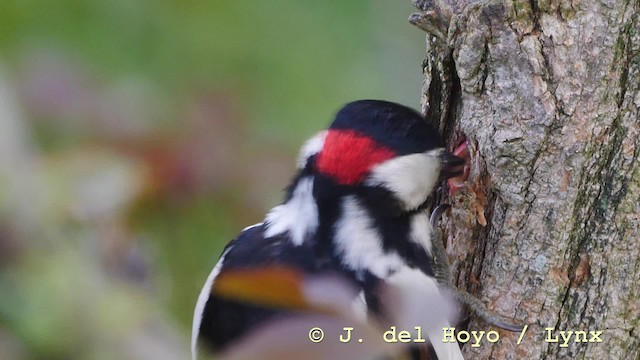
[[348, 155]]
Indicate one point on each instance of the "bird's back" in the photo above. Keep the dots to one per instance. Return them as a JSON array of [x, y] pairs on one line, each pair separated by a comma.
[[224, 320]]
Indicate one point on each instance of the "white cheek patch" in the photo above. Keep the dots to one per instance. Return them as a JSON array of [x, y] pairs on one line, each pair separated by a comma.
[[310, 148], [298, 216], [411, 177], [360, 245]]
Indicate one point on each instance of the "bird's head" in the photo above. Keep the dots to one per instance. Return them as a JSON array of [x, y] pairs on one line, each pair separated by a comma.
[[378, 148]]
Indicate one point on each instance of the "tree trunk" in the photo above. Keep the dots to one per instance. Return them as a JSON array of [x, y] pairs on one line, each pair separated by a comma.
[[547, 230]]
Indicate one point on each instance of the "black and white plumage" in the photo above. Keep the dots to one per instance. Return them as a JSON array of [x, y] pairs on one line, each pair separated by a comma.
[[355, 208]]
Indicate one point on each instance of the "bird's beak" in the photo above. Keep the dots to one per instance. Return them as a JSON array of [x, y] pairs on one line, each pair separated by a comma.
[[452, 165]]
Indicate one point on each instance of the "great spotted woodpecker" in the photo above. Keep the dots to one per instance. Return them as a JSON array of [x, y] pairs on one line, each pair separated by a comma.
[[356, 207]]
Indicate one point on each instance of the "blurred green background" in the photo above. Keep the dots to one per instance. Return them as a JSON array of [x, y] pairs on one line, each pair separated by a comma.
[[138, 137]]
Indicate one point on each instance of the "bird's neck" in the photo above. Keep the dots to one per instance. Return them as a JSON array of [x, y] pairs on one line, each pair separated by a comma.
[[355, 231]]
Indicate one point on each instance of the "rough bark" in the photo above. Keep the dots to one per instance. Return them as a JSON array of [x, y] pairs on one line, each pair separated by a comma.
[[547, 231]]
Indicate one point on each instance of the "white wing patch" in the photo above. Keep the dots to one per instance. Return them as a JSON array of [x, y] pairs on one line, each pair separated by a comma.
[[202, 301], [421, 231], [360, 244], [411, 177], [298, 216], [251, 227]]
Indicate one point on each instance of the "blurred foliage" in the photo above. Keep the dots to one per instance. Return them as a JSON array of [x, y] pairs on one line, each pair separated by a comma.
[[141, 136]]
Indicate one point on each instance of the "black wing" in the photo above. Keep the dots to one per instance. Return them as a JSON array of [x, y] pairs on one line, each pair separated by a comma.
[[224, 320]]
